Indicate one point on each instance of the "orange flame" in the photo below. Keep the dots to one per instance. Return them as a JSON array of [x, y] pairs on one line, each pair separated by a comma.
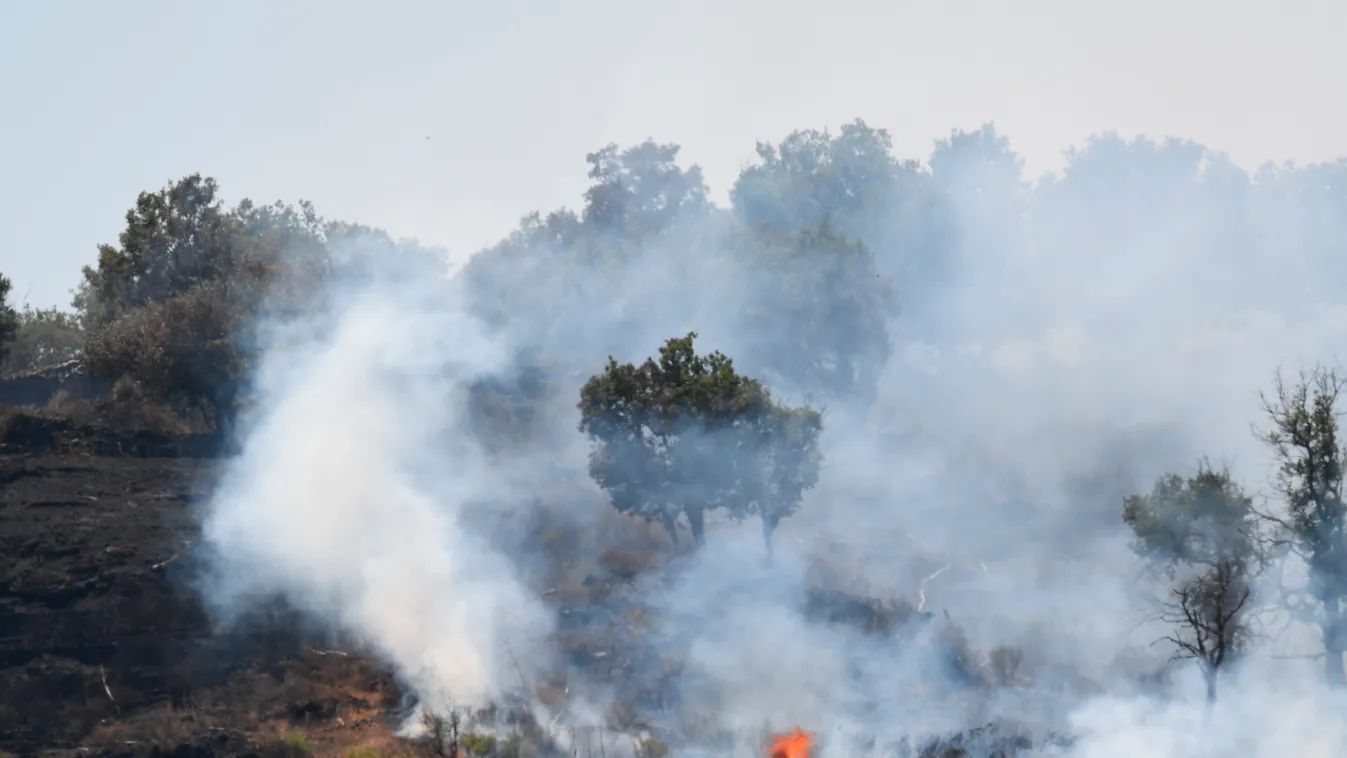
[[794, 745]]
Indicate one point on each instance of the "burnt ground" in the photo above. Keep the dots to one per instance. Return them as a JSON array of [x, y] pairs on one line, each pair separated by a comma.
[[104, 646], [106, 651]]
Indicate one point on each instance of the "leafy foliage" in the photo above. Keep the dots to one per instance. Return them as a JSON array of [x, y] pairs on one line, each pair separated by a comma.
[[175, 239], [821, 319], [852, 183], [687, 434], [1303, 436], [182, 347], [44, 337], [1198, 520], [9, 319], [1201, 531], [171, 306], [642, 190]]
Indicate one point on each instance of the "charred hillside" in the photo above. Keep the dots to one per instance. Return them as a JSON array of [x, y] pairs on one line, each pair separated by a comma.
[[106, 648], [912, 454]]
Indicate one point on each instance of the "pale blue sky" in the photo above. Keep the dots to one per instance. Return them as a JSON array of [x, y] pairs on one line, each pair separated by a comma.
[[333, 101]]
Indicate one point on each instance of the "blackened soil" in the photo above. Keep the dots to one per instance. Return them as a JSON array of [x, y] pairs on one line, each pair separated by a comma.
[[103, 644]]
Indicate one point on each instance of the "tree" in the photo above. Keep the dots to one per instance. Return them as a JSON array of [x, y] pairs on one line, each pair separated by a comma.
[[1303, 435], [43, 337], [788, 466], [9, 319], [174, 239], [170, 305], [983, 178], [820, 318], [1209, 612], [981, 171], [687, 434], [1200, 532], [642, 190], [849, 180], [852, 182], [183, 348]]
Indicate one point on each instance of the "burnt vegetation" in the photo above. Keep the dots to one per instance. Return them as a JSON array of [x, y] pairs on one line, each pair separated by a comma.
[[118, 411]]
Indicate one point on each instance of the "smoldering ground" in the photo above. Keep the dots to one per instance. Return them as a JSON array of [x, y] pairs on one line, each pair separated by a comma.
[[1061, 343]]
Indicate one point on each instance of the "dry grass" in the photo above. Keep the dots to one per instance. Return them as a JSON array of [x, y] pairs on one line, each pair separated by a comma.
[[126, 408]]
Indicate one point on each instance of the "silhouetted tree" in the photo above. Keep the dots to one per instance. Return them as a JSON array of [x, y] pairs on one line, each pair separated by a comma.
[[687, 434], [852, 182], [1201, 533], [1303, 435], [819, 312], [9, 319], [43, 337], [175, 238], [171, 306], [642, 190], [787, 466]]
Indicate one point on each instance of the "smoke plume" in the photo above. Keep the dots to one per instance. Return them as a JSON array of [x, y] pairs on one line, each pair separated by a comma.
[[1060, 343]]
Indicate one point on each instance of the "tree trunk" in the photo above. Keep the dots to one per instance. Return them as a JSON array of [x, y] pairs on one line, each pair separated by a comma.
[[768, 528], [696, 521], [671, 526], [1209, 674], [1332, 629]]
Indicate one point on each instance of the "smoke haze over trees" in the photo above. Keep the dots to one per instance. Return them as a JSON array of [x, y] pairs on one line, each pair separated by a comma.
[[972, 397]]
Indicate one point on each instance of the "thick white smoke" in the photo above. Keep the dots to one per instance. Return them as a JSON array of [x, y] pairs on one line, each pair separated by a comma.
[[348, 497], [1070, 357]]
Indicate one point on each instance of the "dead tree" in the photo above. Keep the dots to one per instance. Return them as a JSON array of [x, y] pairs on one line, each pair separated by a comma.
[[443, 733], [1200, 533], [1208, 615]]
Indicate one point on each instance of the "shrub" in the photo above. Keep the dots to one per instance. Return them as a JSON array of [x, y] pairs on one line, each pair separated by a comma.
[[649, 747], [289, 745], [479, 744]]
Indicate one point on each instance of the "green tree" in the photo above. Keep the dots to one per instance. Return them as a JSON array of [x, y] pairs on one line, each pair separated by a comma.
[[1303, 435], [1200, 532], [9, 319], [687, 434], [814, 176], [175, 239], [786, 466], [43, 337], [820, 312], [852, 182], [172, 304], [642, 190]]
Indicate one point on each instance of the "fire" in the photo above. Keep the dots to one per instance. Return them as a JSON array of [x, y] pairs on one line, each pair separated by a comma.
[[794, 745]]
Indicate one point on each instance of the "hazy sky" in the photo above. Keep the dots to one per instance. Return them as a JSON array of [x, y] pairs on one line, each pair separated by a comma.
[[449, 120]]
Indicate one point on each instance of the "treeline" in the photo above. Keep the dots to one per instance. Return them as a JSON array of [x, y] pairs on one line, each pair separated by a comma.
[[828, 236]]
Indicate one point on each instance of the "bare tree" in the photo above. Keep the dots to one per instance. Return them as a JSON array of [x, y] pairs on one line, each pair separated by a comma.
[[1208, 614], [1303, 435], [443, 732], [1200, 532]]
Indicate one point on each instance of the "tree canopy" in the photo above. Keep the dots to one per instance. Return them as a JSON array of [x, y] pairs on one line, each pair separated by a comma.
[[1201, 532], [9, 320], [173, 304], [1302, 433], [686, 434], [831, 252]]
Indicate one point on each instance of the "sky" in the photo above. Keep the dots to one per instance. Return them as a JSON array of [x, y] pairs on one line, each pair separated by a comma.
[[448, 121]]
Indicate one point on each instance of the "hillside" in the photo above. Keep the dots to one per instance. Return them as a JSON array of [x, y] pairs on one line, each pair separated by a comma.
[[106, 650], [103, 644]]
